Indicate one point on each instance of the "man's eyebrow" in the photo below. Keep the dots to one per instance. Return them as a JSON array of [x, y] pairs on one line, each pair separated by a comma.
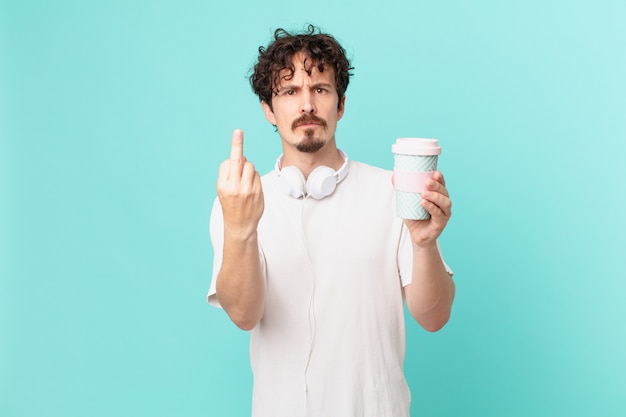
[[322, 84], [287, 87]]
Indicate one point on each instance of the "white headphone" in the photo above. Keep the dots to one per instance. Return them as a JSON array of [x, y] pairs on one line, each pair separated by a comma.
[[321, 182]]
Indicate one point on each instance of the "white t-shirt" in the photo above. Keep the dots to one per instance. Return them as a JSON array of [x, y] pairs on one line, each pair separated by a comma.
[[332, 338]]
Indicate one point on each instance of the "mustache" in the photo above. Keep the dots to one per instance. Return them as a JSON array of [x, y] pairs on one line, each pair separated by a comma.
[[306, 119]]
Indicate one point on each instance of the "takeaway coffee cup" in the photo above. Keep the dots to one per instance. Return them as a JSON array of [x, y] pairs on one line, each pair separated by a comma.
[[415, 160]]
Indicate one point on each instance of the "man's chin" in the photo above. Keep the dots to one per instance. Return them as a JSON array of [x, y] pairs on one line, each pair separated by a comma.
[[308, 146]]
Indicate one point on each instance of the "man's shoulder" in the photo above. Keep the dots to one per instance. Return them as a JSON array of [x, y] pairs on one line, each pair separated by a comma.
[[363, 169], [372, 168]]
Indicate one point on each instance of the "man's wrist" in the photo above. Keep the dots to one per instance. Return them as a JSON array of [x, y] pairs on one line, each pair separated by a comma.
[[426, 247], [242, 236]]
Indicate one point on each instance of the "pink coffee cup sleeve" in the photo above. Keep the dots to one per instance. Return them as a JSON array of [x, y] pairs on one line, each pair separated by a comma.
[[412, 182]]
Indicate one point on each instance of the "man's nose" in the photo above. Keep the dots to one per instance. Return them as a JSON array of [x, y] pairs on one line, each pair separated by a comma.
[[308, 103]]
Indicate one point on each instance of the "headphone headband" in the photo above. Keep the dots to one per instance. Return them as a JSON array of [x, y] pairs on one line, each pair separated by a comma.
[[321, 182]]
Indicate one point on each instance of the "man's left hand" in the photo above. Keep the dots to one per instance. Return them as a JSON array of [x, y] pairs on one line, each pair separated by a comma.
[[437, 201]]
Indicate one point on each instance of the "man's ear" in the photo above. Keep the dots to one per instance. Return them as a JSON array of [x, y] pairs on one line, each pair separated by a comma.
[[341, 108], [269, 114]]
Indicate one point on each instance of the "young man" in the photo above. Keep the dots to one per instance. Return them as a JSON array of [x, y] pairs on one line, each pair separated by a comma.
[[312, 258]]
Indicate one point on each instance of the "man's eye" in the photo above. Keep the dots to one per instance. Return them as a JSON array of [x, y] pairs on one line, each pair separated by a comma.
[[320, 90], [290, 92]]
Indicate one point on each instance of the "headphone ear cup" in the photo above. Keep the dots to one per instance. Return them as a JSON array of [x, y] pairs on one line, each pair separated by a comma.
[[321, 182], [292, 181]]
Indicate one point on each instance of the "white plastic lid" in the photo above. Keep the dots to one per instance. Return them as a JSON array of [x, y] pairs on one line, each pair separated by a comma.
[[416, 146]]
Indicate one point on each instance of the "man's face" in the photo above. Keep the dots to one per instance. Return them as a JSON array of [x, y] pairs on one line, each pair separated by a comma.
[[306, 108]]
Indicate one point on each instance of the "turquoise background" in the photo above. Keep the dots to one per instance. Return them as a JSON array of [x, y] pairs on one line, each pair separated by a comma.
[[115, 115]]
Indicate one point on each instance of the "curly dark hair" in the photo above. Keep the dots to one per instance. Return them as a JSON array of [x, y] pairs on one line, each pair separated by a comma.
[[321, 51]]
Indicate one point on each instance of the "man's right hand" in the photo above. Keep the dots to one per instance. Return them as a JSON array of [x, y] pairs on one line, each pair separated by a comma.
[[240, 192]]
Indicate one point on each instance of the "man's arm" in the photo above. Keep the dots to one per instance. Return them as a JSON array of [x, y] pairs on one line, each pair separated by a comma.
[[430, 294], [240, 284]]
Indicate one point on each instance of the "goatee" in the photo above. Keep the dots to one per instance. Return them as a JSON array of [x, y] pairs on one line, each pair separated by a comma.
[[309, 144]]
